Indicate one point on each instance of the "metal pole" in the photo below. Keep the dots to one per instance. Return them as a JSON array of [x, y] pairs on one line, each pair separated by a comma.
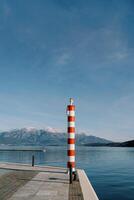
[[71, 135], [70, 175]]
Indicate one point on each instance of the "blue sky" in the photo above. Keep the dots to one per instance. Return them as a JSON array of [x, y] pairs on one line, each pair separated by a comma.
[[51, 50]]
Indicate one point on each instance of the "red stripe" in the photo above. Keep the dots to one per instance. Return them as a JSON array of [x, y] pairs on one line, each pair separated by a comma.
[[71, 107], [71, 129], [71, 141], [71, 163], [71, 152], [71, 119]]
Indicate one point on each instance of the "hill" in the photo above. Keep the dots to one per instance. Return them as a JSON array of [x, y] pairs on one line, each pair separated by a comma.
[[113, 144]]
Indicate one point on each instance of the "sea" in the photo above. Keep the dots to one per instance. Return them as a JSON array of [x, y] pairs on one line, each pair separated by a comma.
[[109, 169]]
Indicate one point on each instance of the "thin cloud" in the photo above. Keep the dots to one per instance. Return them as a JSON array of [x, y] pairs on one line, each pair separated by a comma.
[[7, 11], [63, 59]]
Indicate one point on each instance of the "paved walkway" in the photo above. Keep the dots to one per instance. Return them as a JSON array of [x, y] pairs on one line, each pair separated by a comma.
[[44, 186], [75, 192], [25, 182], [11, 181]]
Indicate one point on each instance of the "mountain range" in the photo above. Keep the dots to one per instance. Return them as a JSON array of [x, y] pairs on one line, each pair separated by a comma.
[[44, 137]]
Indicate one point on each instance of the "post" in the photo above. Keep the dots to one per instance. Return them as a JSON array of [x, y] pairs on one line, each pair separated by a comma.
[[32, 160], [71, 135], [70, 175]]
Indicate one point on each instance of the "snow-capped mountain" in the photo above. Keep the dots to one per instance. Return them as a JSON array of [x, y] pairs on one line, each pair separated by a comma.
[[48, 136]]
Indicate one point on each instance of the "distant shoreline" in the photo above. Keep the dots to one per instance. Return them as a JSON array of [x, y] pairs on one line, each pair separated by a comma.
[[21, 148], [43, 148], [113, 144]]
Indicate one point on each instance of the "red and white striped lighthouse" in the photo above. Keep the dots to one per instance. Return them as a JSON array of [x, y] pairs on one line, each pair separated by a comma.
[[71, 135]]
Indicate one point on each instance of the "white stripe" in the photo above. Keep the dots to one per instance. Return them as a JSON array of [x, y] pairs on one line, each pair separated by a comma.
[[71, 124], [71, 135], [73, 169], [71, 113], [71, 146], [71, 158]]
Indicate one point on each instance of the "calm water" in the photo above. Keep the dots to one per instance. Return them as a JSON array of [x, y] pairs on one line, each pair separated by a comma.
[[110, 170]]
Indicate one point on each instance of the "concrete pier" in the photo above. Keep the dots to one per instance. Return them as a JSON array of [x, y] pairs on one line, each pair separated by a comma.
[[24, 182], [86, 187]]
